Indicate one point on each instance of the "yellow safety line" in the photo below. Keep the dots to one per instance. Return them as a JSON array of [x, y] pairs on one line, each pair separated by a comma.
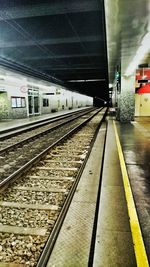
[[139, 248]]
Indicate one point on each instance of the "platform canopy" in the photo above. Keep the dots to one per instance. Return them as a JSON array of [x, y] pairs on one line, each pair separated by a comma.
[[63, 41], [128, 35]]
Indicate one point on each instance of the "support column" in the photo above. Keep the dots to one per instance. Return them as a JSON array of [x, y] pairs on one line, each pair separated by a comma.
[[126, 101]]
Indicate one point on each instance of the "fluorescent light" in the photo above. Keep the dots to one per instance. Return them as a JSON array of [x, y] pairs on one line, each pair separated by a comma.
[[104, 100], [142, 50], [88, 80]]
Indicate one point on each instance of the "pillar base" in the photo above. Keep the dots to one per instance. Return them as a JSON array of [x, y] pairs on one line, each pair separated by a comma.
[[126, 106]]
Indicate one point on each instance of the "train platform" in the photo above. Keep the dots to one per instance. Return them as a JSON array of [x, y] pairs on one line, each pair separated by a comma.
[[10, 124], [104, 226], [135, 141]]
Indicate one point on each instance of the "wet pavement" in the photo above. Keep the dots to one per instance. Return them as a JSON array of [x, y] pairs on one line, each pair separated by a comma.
[[135, 140]]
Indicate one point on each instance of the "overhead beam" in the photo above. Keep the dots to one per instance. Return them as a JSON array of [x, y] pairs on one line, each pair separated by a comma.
[[47, 9], [68, 68], [79, 77], [71, 76], [94, 74], [27, 70], [76, 72], [51, 41], [31, 58]]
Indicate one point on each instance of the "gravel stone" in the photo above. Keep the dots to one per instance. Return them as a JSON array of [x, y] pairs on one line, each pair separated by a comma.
[[26, 249]]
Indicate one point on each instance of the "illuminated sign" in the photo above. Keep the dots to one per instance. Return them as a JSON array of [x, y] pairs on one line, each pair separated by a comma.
[[2, 89]]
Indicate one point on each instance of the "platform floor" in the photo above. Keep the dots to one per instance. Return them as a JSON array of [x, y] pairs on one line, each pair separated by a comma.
[[113, 241], [113, 244], [135, 140], [11, 123]]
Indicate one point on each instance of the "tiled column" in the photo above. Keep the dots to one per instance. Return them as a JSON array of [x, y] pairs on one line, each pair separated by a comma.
[[126, 101]]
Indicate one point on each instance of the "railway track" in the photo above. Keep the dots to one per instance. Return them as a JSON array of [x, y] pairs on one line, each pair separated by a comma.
[[19, 137], [9, 132], [34, 206], [20, 153]]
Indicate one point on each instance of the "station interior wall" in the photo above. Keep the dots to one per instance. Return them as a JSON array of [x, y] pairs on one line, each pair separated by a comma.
[[142, 104]]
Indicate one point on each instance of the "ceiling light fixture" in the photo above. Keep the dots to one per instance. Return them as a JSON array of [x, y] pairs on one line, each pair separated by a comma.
[[88, 80]]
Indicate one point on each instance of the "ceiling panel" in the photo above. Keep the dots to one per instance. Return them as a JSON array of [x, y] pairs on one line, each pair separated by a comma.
[[64, 39], [127, 22]]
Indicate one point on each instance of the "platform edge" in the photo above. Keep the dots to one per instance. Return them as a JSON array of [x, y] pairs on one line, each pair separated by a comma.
[[139, 247]]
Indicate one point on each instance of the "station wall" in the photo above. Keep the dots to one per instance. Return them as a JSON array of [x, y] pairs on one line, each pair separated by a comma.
[[142, 104]]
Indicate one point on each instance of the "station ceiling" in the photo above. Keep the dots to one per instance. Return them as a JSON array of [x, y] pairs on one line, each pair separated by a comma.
[[128, 35], [62, 39]]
